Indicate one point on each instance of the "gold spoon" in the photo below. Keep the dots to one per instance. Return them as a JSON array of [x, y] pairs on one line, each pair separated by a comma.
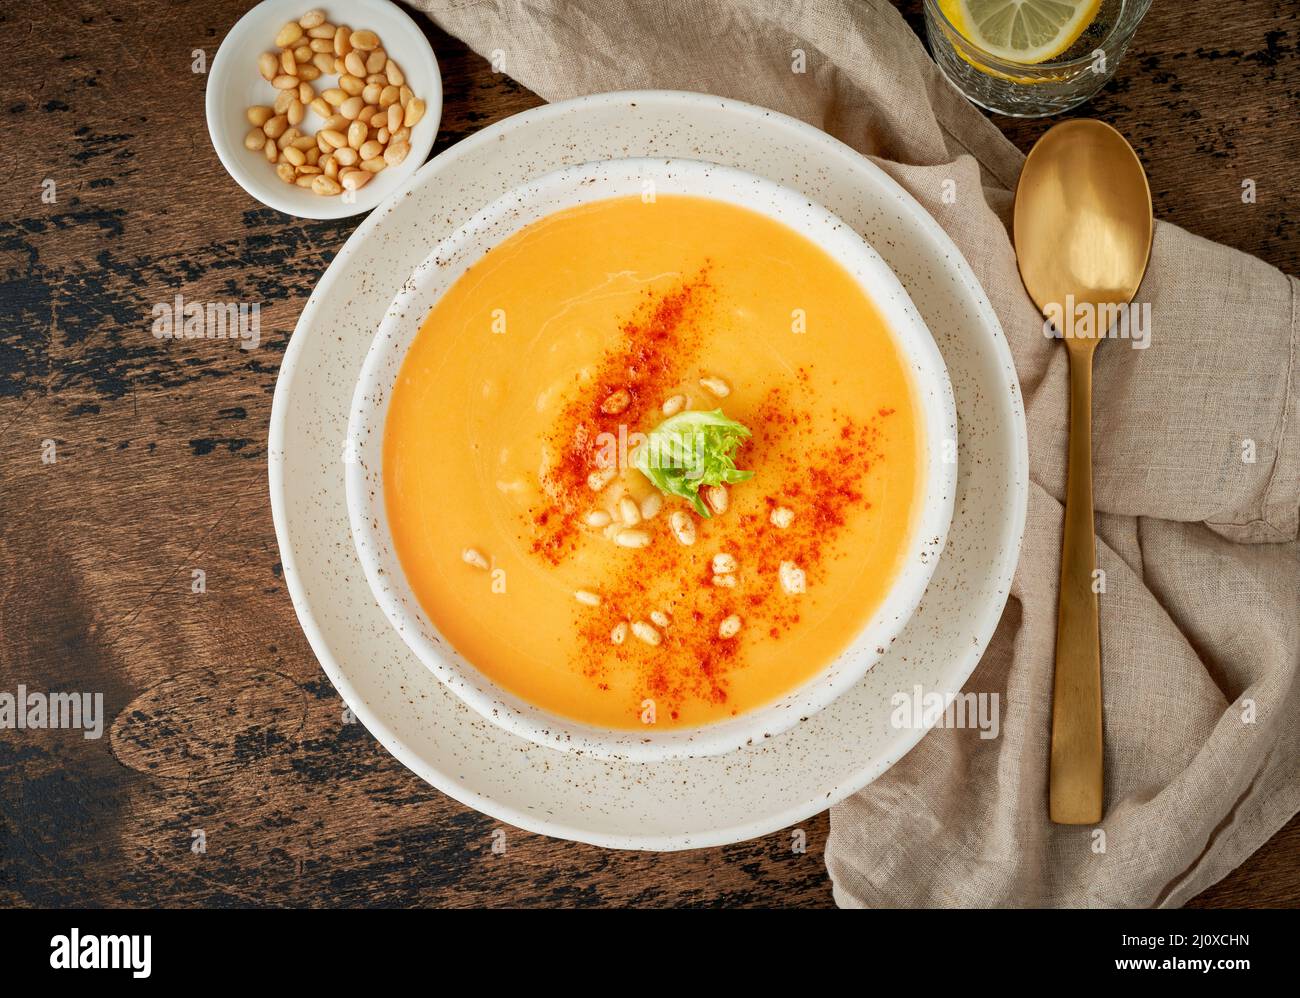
[[1083, 231]]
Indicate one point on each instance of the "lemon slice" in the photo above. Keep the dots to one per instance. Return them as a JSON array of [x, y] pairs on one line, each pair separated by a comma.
[[1024, 31]]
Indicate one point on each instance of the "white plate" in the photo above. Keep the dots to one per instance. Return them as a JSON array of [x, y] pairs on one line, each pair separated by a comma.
[[234, 84], [674, 804], [584, 184]]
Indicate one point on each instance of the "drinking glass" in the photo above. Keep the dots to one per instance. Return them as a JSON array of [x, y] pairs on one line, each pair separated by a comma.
[[1035, 90]]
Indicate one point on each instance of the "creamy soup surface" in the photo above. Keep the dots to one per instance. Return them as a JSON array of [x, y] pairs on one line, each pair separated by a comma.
[[556, 575]]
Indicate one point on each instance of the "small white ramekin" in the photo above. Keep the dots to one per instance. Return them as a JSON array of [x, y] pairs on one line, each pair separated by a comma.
[[234, 85]]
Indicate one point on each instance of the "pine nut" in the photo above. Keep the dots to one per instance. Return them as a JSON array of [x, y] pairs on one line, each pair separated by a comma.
[[331, 167], [356, 179], [716, 497], [376, 61], [394, 74], [414, 112], [651, 505], [311, 19], [683, 527], [287, 63], [729, 627], [321, 107], [782, 517], [322, 46], [325, 31], [396, 152], [295, 156], [324, 62], [725, 581], [472, 557], [383, 136], [305, 93], [306, 179], [357, 134], [598, 518], [674, 404], [296, 112], [259, 115], [351, 107], [289, 34], [268, 64], [355, 63], [716, 386], [404, 95], [302, 53], [601, 477], [619, 634], [283, 99], [364, 40], [586, 597], [351, 85], [275, 127], [347, 156], [632, 538], [336, 122], [372, 92], [342, 41], [616, 402], [373, 165], [371, 149], [308, 73], [659, 618], [388, 96], [333, 138], [646, 633], [285, 172], [285, 82], [255, 140], [270, 151], [629, 512], [724, 564], [394, 119], [305, 142], [400, 135], [792, 578]]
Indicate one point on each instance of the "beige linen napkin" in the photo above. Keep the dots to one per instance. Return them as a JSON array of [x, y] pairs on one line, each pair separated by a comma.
[[1200, 621]]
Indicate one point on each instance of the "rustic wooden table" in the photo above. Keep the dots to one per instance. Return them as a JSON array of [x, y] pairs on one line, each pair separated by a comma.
[[225, 721]]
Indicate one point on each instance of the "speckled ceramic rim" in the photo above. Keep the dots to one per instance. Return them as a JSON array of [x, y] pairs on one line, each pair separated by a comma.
[[586, 184], [761, 813], [234, 83]]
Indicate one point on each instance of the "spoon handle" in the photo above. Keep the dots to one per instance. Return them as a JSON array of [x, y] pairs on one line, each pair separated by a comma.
[[1076, 763]]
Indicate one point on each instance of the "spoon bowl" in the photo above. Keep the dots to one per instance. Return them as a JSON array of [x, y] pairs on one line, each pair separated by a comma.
[[1083, 220]]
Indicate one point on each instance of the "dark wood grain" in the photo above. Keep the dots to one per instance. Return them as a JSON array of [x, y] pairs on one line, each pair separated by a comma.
[[220, 717]]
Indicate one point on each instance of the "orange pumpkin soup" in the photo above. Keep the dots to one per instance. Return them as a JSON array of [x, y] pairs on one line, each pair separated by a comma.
[[540, 548]]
